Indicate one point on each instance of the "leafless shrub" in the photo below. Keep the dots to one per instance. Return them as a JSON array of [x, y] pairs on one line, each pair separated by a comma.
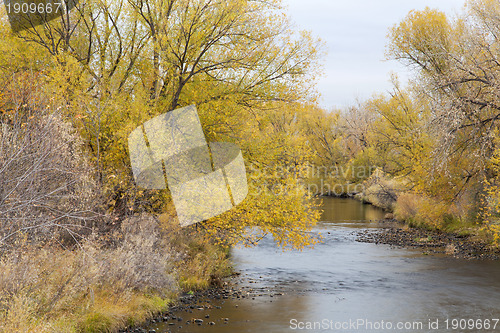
[[37, 284], [408, 206], [46, 184], [141, 261], [381, 190]]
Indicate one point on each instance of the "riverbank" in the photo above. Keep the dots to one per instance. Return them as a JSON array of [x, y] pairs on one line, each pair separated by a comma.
[[101, 286], [412, 222], [194, 308], [462, 246]]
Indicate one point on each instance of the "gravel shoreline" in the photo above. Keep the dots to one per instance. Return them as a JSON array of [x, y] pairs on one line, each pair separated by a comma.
[[192, 305], [431, 242]]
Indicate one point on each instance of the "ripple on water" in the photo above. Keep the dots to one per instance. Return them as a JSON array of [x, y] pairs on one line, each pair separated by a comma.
[[342, 279]]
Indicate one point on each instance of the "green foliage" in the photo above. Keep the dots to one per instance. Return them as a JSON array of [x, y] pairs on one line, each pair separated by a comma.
[[95, 323]]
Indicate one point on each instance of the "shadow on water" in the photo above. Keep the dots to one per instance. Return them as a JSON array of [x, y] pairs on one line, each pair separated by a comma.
[[342, 280]]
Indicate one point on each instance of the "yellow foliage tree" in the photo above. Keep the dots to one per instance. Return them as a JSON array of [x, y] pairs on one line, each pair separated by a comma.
[[115, 65]]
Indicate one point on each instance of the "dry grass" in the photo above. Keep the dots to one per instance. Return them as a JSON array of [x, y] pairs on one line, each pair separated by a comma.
[[201, 263], [91, 289], [430, 213], [103, 286]]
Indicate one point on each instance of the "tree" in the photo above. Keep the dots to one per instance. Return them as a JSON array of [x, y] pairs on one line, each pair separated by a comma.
[[124, 62], [457, 69]]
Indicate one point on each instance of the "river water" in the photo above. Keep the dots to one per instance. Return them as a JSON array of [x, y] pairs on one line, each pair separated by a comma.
[[346, 286]]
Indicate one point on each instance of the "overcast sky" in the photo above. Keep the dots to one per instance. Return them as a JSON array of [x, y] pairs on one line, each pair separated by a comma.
[[355, 33]]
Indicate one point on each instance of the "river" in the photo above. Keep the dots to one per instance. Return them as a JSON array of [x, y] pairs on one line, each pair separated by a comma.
[[346, 286]]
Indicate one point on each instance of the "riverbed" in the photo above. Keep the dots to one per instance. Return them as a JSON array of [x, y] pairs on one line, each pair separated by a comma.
[[343, 285]]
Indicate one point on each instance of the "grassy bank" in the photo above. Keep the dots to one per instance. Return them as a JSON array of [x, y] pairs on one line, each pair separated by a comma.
[[102, 287]]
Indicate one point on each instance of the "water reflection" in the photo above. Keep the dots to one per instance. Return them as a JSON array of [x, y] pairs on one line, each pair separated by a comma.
[[343, 280], [349, 210]]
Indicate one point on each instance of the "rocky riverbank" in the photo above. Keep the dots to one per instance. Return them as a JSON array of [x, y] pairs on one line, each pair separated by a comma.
[[193, 308], [431, 242]]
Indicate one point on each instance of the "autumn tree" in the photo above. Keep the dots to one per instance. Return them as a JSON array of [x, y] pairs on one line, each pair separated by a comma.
[[117, 64], [458, 68], [456, 74]]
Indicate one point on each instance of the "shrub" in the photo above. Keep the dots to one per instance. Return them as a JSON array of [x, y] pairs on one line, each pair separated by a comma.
[[422, 211], [407, 206], [47, 186], [381, 190], [93, 288]]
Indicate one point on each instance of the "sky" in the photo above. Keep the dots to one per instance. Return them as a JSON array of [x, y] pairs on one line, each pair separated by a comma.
[[355, 34]]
